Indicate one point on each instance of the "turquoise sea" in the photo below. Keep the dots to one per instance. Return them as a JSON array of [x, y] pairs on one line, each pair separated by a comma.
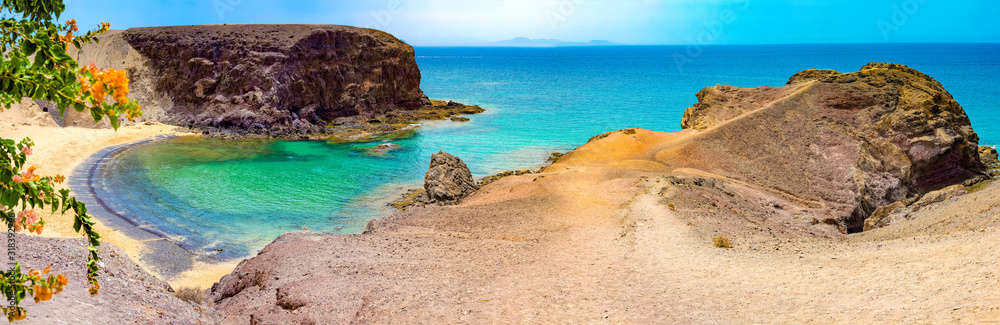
[[237, 196]]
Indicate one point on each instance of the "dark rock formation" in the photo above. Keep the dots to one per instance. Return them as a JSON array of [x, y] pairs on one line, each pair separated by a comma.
[[253, 77], [901, 211], [987, 154], [448, 178], [989, 157], [848, 141]]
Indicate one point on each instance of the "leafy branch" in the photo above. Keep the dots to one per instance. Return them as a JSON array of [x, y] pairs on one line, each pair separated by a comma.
[[34, 63]]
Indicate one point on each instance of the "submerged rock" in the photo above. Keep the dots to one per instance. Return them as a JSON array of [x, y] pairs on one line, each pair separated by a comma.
[[448, 178], [382, 148]]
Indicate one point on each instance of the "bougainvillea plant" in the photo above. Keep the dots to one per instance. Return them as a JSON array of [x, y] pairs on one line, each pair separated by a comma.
[[36, 64]]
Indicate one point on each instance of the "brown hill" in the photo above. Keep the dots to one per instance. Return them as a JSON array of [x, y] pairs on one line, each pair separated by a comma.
[[252, 77], [846, 143]]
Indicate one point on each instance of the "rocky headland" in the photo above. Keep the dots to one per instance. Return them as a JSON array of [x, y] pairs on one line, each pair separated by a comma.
[[279, 81], [621, 229]]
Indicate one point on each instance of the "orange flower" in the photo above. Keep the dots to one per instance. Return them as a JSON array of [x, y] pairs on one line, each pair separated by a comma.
[[27, 176], [30, 219], [66, 39], [16, 313], [98, 91], [94, 289], [59, 178], [42, 293], [61, 279]]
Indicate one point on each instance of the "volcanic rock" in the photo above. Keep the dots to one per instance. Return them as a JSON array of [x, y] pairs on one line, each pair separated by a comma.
[[850, 142], [252, 77], [899, 211], [988, 155], [448, 178]]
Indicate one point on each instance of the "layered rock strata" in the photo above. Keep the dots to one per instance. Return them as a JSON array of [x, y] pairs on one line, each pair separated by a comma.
[[257, 77]]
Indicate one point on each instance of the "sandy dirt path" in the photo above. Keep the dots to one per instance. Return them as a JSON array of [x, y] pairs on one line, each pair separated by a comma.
[[597, 245]]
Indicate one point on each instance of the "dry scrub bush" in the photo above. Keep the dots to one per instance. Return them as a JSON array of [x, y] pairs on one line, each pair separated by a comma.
[[195, 295], [722, 242]]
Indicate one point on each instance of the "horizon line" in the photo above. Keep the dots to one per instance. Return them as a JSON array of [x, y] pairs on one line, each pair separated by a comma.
[[490, 44]]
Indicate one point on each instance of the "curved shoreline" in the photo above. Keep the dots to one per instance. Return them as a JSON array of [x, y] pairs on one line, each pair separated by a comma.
[[159, 254], [89, 168]]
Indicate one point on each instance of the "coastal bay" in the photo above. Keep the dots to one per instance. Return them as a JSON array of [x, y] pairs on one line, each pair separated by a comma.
[[603, 217]]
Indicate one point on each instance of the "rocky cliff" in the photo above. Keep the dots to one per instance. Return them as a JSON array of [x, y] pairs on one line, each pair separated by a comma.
[[254, 77], [850, 142]]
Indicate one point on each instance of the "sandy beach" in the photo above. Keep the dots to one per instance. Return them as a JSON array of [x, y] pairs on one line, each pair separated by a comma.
[[61, 150]]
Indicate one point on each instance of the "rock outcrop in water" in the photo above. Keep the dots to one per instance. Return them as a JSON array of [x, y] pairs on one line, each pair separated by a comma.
[[448, 178], [254, 77]]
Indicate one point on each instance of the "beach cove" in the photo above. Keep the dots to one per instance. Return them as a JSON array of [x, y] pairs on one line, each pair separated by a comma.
[[658, 204], [524, 123], [522, 147]]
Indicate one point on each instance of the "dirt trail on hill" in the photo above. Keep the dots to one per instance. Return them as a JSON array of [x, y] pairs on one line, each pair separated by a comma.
[[597, 245]]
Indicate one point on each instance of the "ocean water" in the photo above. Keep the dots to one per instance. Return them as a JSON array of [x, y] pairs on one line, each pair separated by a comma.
[[237, 196]]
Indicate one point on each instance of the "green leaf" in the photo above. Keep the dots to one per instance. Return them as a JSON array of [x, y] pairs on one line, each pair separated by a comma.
[[8, 198], [96, 115], [33, 188], [61, 55], [81, 209], [114, 121], [28, 47]]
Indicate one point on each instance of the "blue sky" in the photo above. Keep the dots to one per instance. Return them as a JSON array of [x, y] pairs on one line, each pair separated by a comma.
[[442, 22]]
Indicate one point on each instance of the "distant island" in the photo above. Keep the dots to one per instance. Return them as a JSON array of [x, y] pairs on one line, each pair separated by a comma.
[[528, 42]]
